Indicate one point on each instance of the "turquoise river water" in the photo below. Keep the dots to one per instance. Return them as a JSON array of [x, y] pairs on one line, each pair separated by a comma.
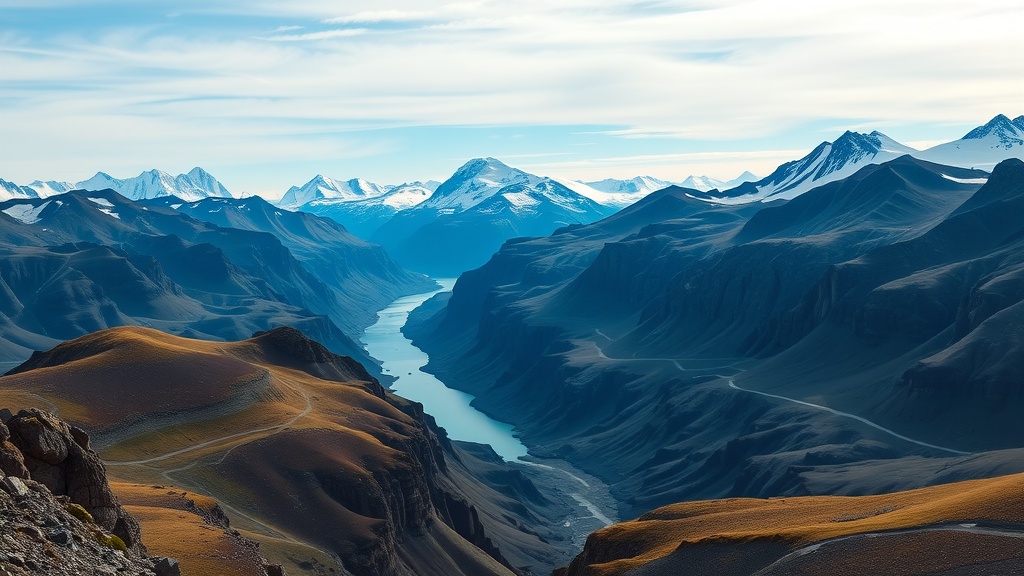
[[399, 358]]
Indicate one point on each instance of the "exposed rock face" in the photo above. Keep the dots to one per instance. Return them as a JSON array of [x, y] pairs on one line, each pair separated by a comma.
[[67, 522], [12, 463], [41, 536], [58, 456]]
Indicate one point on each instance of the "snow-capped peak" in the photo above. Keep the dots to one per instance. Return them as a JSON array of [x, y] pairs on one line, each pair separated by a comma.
[[638, 186], [10, 191], [1010, 133], [702, 183], [828, 162], [321, 187], [707, 183], [195, 185], [405, 196], [612, 192], [100, 181], [476, 181], [854, 148], [203, 180], [50, 187], [885, 144], [983, 147]]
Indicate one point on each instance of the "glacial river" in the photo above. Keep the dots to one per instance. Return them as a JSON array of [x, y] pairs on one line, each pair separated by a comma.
[[589, 499], [399, 358]]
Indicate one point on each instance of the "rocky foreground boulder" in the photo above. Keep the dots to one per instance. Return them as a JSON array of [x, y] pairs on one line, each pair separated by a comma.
[[57, 513]]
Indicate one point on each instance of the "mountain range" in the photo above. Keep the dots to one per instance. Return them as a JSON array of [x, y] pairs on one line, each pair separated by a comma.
[[686, 349], [321, 188], [781, 376], [982, 147], [844, 326], [364, 215], [195, 185], [472, 213], [83, 261], [418, 228]]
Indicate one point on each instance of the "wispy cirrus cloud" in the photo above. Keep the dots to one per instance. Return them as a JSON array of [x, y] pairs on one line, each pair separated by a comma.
[[372, 16], [319, 35], [332, 78]]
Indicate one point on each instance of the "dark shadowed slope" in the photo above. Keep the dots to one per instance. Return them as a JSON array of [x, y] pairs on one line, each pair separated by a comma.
[[362, 276], [84, 261], [623, 365], [954, 293]]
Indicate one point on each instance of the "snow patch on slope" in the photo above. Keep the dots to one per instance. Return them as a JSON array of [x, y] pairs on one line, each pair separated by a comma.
[[102, 202], [26, 213], [965, 180]]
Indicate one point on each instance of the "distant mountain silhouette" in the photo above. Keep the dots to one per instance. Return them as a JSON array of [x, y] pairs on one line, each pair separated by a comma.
[[84, 261]]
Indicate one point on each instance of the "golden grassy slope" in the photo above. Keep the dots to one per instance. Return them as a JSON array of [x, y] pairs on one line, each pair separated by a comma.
[[173, 525], [796, 521], [103, 377], [301, 428]]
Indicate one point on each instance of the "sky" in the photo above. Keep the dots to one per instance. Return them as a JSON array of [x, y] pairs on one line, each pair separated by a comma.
[[266, 94]]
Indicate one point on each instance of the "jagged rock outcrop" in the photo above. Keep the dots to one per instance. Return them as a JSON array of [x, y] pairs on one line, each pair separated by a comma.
[[58, 456], [57, 513]]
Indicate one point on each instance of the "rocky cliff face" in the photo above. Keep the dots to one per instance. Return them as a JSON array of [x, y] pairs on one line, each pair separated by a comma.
[[57, 513], [57, 456]]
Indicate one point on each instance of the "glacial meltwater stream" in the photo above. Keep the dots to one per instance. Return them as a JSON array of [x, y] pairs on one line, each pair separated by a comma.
[[399, 358], [595, 507]]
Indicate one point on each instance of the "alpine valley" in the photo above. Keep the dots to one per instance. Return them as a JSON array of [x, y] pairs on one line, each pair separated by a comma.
[[813, 372]]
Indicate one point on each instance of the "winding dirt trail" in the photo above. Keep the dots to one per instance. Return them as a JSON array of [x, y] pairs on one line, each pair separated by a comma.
[[275, 428], [968, 528], [196, 487], [732, 385], [853, 417]]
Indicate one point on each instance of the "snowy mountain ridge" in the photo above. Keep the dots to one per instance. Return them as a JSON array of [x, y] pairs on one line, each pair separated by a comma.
[[10, 191], [984, 147], [475, 182], [50, 188], [707, 183], [398, 197], [1010, 133], [321, 187], [637, 185], [195, 185], [480, 179], [828, 162]]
